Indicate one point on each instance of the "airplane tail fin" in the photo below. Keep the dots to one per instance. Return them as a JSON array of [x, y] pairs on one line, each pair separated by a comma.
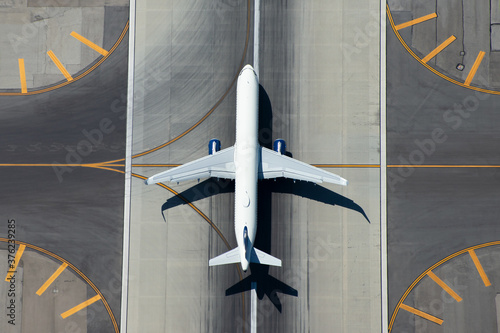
[[261, 257], [257, 256]]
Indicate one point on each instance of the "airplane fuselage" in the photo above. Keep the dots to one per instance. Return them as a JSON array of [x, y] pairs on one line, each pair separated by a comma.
[[246, 160]]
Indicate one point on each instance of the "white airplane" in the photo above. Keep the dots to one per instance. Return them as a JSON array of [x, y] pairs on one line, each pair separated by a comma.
[[246, 162]]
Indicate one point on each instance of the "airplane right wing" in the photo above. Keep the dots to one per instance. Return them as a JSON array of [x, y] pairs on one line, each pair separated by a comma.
[[220, 164], [275, 165]]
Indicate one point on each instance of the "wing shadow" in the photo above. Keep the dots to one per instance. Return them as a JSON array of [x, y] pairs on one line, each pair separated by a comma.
[[315, 192], [308, 190], [205, 189]]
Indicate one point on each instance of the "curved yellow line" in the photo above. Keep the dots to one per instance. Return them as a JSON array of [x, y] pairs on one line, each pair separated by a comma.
[[447, 78], [65, 83], [76, 270], [421, 276], [221, 99], [171, 190]]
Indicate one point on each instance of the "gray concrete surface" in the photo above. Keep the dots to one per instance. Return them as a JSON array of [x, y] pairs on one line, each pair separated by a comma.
[[42, 313], [477, 312], [323, 94], [468, 21], [79, 214], [434, 212], [31, 28]]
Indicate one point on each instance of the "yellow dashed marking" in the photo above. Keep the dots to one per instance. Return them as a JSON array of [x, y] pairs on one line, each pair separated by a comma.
[[416, 21], [443, 285], [422, 314], [87, 42], [51, 279], [474, 68], [479, 268], [80, 306], [438, 49], [22, 76], [59, 65]]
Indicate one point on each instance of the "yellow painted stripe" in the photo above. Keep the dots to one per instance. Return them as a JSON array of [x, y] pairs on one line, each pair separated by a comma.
[[59, 65], [438, 49], [12, 269], [33, 92], [479, 268], [149, 165], [77, 271], [93, 46], [22, 76], [447, 78], [444, 286], [474, 68], [51, 279], [424, 274], [422, 314], [80, 306], [416, 21], [346, 165], [441, 166]]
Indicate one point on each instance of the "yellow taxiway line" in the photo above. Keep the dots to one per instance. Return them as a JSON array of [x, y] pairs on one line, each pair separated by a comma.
[[422, 314], [416, 21], [479, 268], [51, 279], [13, 266], [22, 76], [80, 306], [438, 49], [87, 42], [443, 285], [443, 166], [474, 68], [59, 65]]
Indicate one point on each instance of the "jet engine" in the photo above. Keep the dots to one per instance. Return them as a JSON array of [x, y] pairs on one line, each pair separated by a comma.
[[213, 146], [279, 146]]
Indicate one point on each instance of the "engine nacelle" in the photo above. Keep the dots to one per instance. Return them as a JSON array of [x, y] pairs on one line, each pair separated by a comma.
[[279, 146], [213, 146]]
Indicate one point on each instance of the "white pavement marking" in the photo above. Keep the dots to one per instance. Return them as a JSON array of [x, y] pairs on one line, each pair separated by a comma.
[[383, 170], [128, 169], [256, 26], [253, 314]]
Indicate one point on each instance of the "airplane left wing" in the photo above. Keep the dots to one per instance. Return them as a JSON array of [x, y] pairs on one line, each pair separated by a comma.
[[220, 165], [275, 165]]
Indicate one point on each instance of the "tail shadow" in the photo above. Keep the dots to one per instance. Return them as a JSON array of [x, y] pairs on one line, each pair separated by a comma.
[[267, 285]]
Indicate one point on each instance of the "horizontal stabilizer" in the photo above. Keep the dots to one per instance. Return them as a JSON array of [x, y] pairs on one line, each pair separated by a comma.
[[230, 257], [260, 257]]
